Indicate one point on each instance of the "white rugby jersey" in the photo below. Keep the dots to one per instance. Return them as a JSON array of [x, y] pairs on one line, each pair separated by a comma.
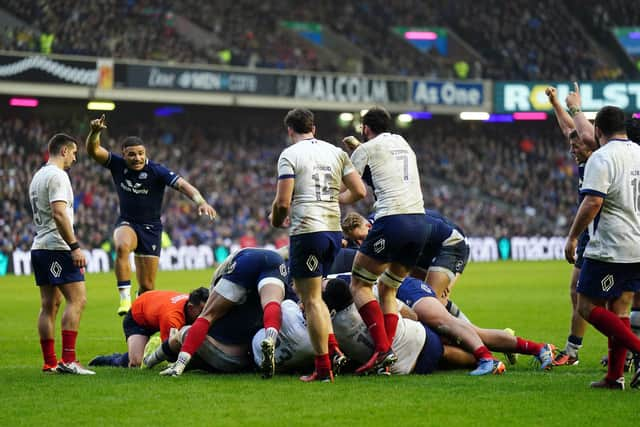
[[318, 168], [613, 172], [356, 342], [293, 350], [388, 164], [49, 184]]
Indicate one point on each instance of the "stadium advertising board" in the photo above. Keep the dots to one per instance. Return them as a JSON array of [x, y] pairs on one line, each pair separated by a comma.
[[198, 79], [45, 69], [450, 93], [342, 88], [529, 96], [483, 249]]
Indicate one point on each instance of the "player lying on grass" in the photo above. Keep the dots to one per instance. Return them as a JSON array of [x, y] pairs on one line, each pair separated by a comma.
[[432, 344], [246, 292], [152, 312]]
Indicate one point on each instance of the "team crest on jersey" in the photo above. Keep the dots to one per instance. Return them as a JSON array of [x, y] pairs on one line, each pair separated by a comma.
[[229, 268], [312, 263], [283, 270], [55, 269], [143, 175], [379, 245], [607, 283]]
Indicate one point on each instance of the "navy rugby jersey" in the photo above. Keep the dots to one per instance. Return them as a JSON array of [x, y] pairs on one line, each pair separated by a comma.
[[140, 192]]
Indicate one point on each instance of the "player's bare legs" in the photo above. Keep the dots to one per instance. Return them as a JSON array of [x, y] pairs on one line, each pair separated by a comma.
[[318, 320], [146, 271], [569, 356], [75, 296], [613, 322], [135, 347], [50, 299], [365, 272], [125, 241]]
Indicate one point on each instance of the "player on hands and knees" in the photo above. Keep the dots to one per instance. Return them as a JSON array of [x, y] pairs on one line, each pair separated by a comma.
[[152, 312], [58, 262], [140, 185], [611, 270], [310, 175], [388, 164]]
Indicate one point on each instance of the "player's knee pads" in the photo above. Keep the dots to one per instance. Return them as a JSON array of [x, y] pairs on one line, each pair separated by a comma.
[[363, 275], [390, 280]]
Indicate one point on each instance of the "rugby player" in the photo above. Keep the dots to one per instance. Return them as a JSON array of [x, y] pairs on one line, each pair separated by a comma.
[[140, 185], [311, 173], [388, 164], [611, 270], [58, 262], [152, 312]]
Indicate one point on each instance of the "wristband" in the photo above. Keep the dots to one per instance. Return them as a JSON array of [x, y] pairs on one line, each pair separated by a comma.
[[574, 110], [73, 246], [197, 198]]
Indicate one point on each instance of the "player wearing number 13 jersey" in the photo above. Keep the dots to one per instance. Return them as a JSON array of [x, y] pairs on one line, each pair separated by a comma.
[[310, 173], [388, 164]]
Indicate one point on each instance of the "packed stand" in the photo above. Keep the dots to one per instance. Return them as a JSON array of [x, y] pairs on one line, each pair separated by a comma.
[[520, 40], [494, 180]]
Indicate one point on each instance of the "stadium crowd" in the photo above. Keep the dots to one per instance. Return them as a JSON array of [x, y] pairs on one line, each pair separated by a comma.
[[486, 180], [519, 40]]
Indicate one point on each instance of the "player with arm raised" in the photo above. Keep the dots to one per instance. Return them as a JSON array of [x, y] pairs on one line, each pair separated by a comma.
[[310, 175], [581, 149], [388, 164], [611, 270], [58, 262], [140, 185]]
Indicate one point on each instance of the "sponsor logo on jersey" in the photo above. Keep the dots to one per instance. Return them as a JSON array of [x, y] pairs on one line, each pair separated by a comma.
[[379, 245], [143, 175]]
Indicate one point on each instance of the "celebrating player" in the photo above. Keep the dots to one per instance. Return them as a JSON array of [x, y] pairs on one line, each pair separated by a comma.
[[140, 184], [58, 262], [581, 149]]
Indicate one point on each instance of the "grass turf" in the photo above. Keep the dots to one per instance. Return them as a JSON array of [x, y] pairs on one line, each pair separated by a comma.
[[531, 298]]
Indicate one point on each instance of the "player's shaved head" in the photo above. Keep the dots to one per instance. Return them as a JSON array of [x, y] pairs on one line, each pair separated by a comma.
[[337, 295]]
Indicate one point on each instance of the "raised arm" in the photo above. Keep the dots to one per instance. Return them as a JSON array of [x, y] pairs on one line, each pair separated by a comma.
[[585, 129], [204, 208], [94, 149], [564, 119]]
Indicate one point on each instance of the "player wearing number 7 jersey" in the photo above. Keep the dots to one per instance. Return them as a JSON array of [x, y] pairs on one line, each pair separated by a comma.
[[388, 164], [310, 174]]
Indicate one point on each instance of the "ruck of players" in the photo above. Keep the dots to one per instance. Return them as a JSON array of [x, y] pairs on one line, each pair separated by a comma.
[[367, 284]]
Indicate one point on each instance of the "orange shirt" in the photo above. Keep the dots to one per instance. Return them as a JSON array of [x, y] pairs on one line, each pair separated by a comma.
[[160, 310]]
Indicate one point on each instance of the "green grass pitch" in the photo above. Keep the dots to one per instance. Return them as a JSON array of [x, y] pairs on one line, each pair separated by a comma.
[[531, 298]]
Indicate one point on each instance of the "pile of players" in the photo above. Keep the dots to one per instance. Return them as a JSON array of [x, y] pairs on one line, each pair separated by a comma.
[[382, 303]]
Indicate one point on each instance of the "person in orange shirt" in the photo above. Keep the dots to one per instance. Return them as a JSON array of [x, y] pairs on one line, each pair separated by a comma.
[[151, 312]]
